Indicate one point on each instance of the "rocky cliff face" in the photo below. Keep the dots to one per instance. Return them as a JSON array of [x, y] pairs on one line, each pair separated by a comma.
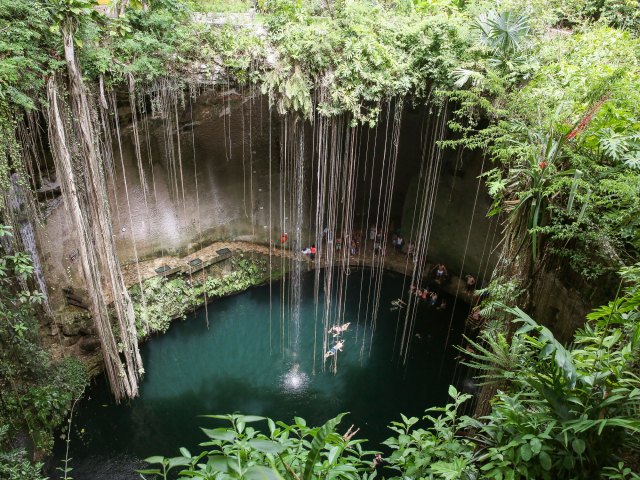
[[218, 178]]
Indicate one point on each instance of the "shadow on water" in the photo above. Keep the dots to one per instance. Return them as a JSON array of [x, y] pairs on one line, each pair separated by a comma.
[[243, 362]]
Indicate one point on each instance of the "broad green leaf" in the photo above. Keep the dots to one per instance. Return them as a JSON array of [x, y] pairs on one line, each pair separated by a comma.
[[179, 462], [545, 460], [578, 446], [250, 418], [219, 463], [453, 393], [333, 454], [525, 452], [267, 446], [149, 472], [220, 434], [261, 473], [536, 446]]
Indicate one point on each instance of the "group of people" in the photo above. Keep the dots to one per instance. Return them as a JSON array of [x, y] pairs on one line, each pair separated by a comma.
[[311, 251], [353, 242], [336, 331], [428, 295], [354, 246]]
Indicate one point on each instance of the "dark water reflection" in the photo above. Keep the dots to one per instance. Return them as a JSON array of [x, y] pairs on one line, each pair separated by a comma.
[[243, 362]]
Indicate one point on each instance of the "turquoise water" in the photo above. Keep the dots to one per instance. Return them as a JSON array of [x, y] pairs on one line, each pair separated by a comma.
[[237, 363]]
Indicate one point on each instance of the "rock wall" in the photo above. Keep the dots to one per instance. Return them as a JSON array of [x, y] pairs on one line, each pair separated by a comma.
[[229, 188], [224, 183]]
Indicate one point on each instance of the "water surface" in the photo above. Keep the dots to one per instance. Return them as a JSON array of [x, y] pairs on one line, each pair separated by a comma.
[[243, 359]]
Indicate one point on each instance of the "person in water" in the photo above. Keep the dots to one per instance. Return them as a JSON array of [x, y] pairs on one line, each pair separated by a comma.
[[335, 349], [397, 304], [338, 329]]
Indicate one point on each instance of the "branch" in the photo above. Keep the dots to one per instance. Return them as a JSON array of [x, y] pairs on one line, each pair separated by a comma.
[[289, 469]]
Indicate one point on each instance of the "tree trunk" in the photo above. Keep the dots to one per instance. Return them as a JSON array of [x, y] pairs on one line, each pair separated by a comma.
[[86, 200], [515, 264]]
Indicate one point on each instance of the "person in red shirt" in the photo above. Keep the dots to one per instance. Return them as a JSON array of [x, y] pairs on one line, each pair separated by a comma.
[[312, 255]]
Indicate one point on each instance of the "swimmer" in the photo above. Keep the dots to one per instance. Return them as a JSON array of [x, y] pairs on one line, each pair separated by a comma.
[[350, 433], [397, 304], [335, 349], [338, 329]]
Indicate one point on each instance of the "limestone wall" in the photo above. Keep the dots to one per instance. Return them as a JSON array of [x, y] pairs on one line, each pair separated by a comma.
[[229, 188]]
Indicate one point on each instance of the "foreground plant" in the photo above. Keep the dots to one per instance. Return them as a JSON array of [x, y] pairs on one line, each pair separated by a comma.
[[289, 451], [35, 390], [564, 412]]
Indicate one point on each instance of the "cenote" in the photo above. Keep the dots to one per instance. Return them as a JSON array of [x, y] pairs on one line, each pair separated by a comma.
[[195, 193], [234, 362]]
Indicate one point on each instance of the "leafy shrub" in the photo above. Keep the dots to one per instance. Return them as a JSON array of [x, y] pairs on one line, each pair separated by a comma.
[[14, 464], [36, 391], [164, 300], [288, 451]]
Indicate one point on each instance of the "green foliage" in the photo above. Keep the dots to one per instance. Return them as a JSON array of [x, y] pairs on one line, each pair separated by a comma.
[[36, 392], [566, 146], [288, 451], [165, 300], [221, 6], [24, 60], [432, 452], [567, 412], [14, 464], [622, 14], [144, 43], [361, 55], [68, 14]]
